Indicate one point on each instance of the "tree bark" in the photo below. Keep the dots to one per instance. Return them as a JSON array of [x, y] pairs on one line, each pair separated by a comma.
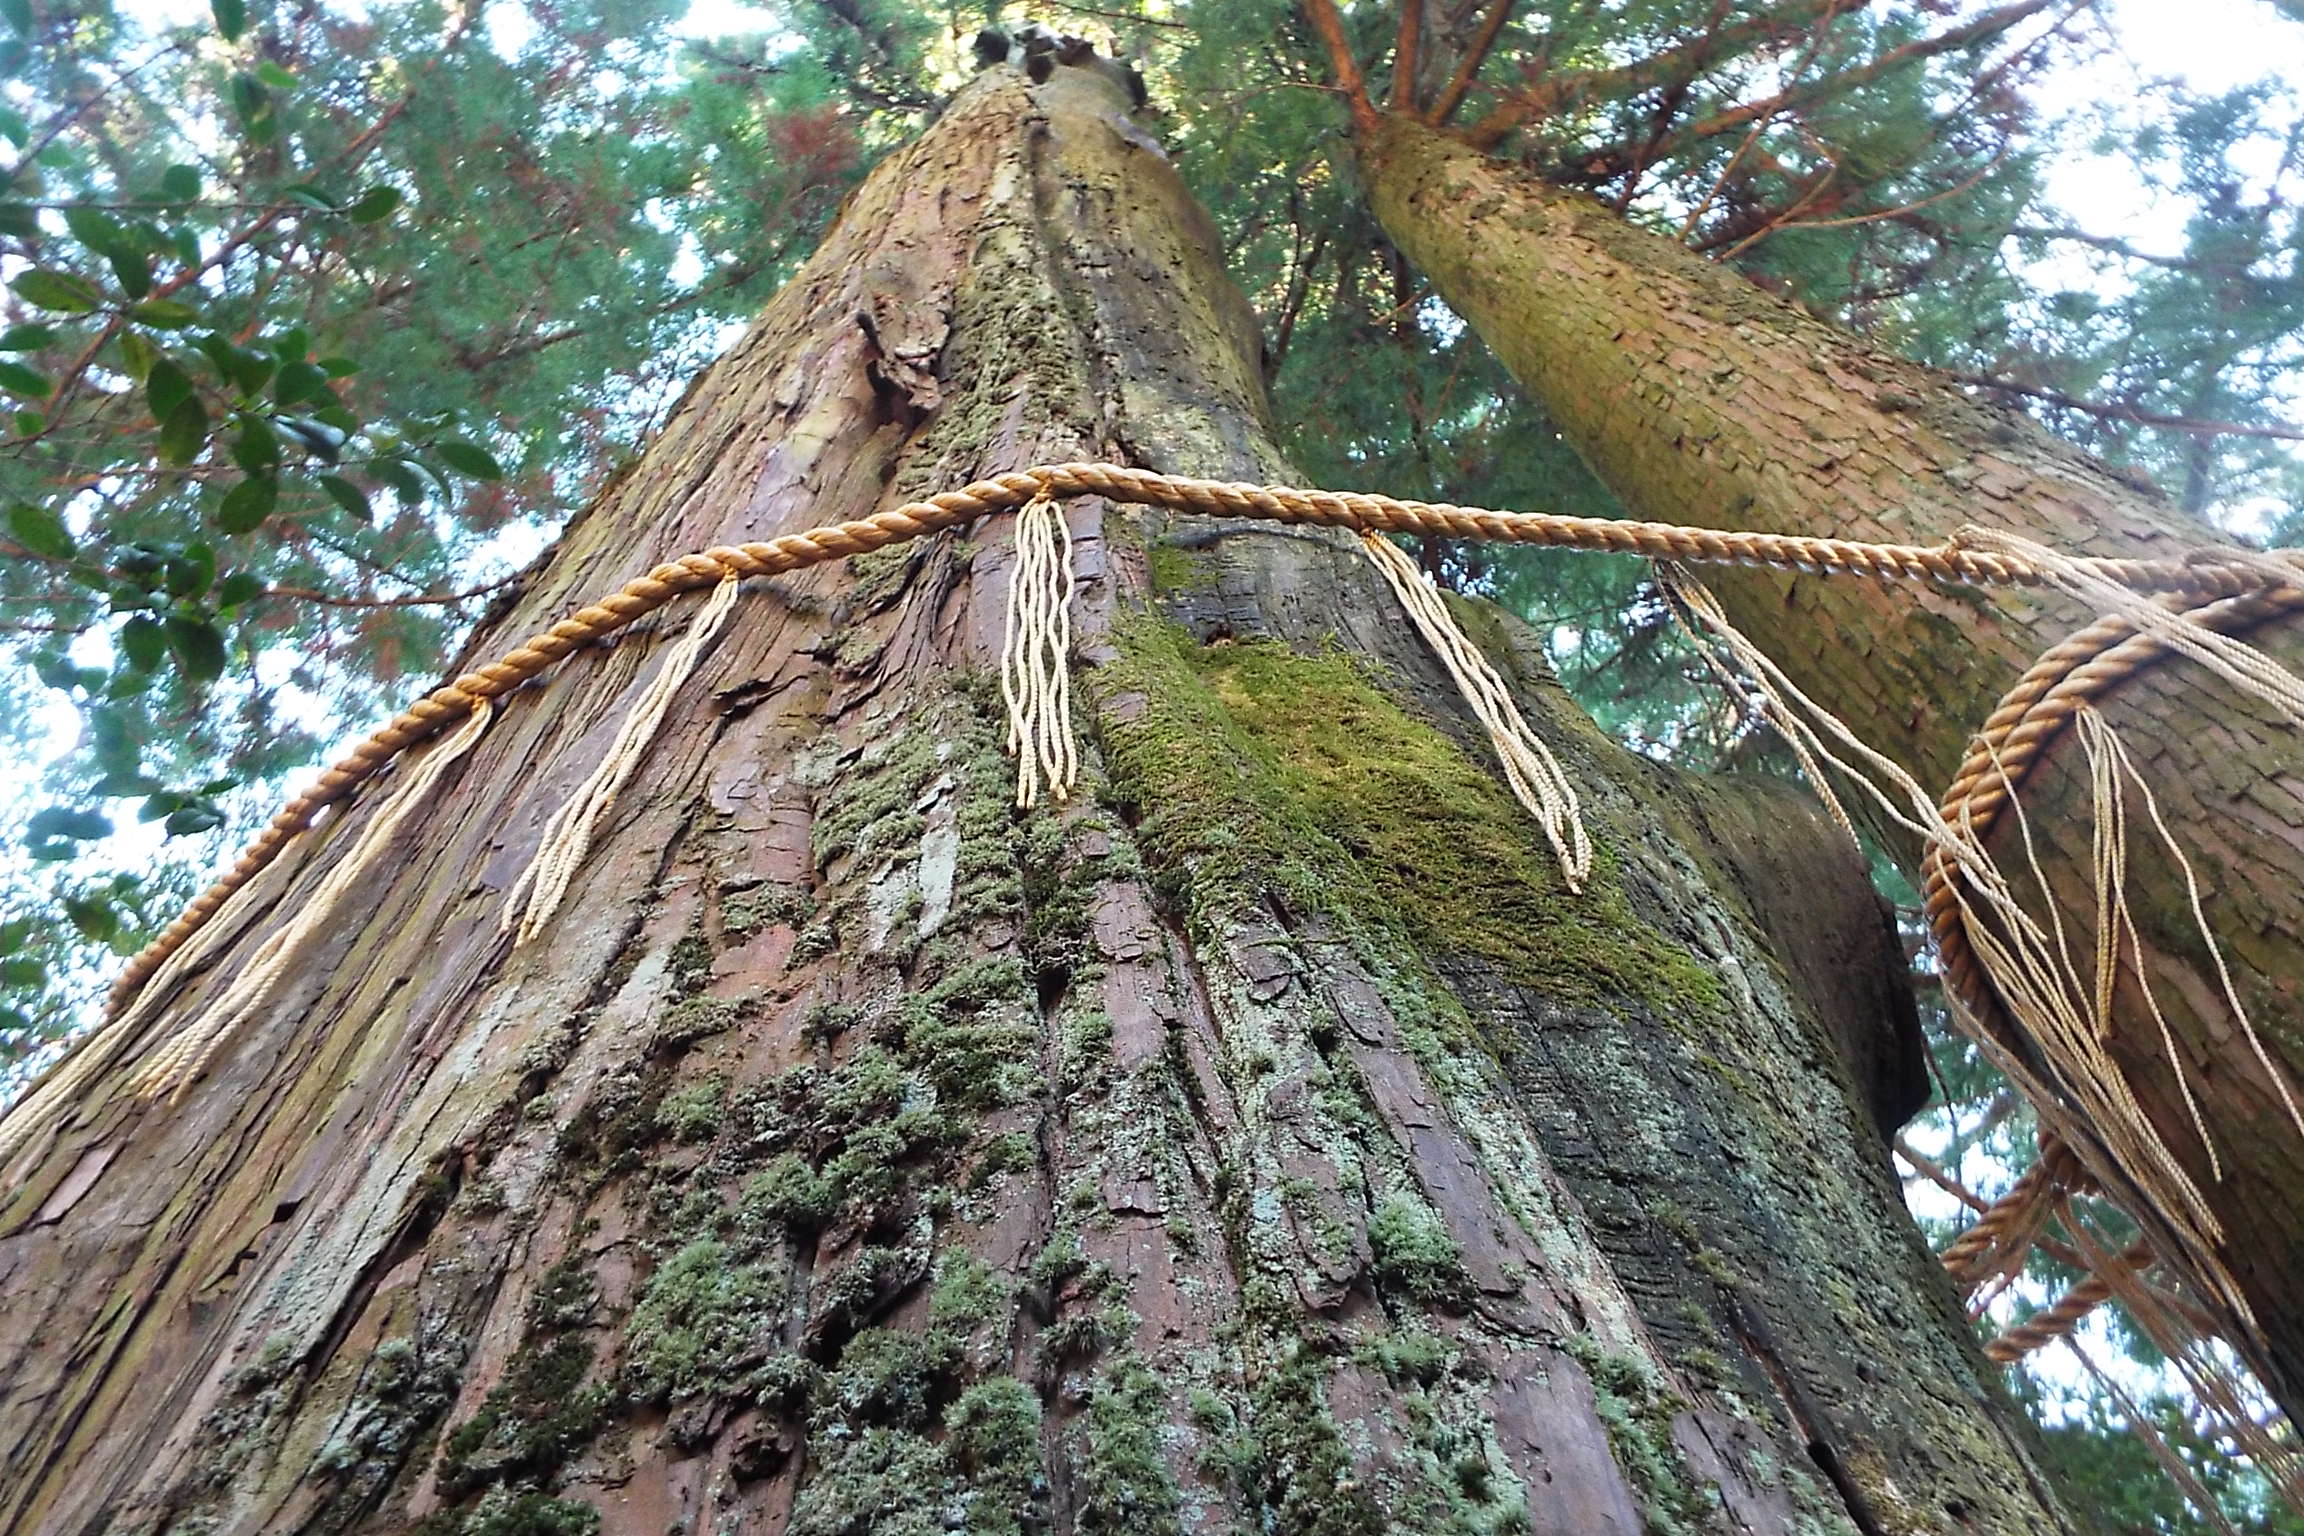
[[1265, 1141], [1699, 399]]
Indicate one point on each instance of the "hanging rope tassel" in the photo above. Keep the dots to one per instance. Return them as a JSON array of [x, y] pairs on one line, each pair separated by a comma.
[[543, 885], [2029, 959], [1036, 655], [179, 1063], [1529, 766]]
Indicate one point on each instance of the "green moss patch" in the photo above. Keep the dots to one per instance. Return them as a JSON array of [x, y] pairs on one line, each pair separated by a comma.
[[1254, 770]]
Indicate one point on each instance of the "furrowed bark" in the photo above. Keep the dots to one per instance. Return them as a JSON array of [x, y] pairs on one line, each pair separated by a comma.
[[1265, 1141], [1699, 399]]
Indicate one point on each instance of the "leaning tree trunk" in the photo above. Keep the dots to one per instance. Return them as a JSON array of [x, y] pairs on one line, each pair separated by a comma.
[[1699, 399], [1266, 1141]]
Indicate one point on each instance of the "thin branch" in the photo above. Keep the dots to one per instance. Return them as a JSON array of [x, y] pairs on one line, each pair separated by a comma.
[[1328, 26], [412, 600], [1784, 221], [2129, 413], [1979, 29], [1452, 97], [1553, 94]]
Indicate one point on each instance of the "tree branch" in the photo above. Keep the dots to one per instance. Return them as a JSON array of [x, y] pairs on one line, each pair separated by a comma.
[[1405, 60], [1555, 94], [1328, 26], [1452, 97], [2129, 413]]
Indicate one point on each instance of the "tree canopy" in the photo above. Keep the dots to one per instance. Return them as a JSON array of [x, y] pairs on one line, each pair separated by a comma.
[[320, 319]]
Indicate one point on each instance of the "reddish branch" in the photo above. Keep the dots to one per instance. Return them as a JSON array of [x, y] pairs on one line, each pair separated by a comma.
[[1555, 94], [1980, 29], [1328, 26]]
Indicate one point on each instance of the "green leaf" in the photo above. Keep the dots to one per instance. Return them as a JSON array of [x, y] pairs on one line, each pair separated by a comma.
[[348, 496], [97, 920], [93, 227], [180, 184], [165, 314], [166, 386], [302, 383], [199, 646], [235, 589], [50, 289], [50, 834], [191, 571], [133, 268], [20, 380], [186, 821], [29, 337], [339, 367], [142, 642], [247, 504], [257, 447], [19, 14], [28, 422], [41, 531], [274, 75], [231, 18], [184, 431], [374, 205], [402, 477], [19, 221], [14, 129], [137, 355], [468, 459], [307, 195]]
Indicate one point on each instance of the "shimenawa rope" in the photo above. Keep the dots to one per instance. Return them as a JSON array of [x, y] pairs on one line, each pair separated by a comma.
[[2231, 587]]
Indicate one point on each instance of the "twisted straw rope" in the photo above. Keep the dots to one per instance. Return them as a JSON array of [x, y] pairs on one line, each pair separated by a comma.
[[2051, 1323], [2205, 574]]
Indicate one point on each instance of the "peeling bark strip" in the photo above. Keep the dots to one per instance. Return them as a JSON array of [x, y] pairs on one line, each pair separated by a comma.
[[1263, 1141], [1698, 398]]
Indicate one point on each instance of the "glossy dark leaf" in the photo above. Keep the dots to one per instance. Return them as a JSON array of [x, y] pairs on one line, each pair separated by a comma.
[[20, 380], [143, 643], [231, 18]]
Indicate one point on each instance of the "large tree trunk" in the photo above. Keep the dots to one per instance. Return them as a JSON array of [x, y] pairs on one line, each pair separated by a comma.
[[1699, 399], [1265, 1142]]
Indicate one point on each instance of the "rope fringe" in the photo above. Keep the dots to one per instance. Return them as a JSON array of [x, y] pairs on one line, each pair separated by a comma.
[[1529, 766], [1998, 958], [1036, 655], [2026, 960], [543, 885]]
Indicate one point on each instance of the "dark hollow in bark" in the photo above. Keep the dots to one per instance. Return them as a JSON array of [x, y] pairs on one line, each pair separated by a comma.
[[1265, 1141]]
